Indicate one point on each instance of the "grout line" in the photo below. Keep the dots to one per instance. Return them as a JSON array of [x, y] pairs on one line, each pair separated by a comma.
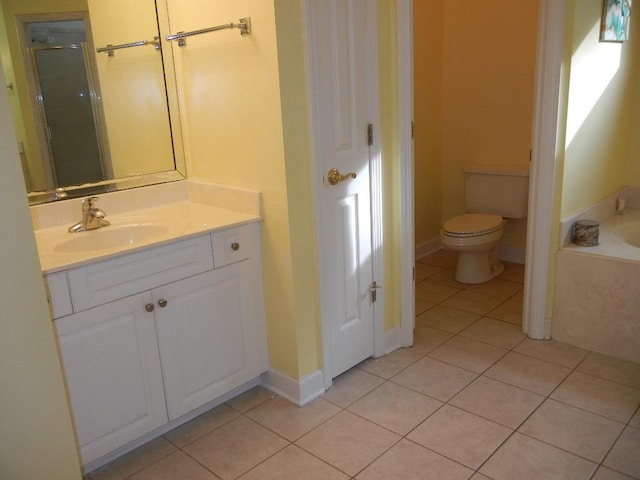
[[545, 397], [201, 464], [548, 398]]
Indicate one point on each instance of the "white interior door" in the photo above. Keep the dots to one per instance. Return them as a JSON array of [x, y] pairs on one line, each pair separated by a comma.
[[343, 77]]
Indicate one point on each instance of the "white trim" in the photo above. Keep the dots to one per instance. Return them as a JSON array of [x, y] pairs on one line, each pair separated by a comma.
[[300, 391], [317, 197], [391, 340], [375, 182], [547, 328], [407, 208], [428, 247], [542, 182]]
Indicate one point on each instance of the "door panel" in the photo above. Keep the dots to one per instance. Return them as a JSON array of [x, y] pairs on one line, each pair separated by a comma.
[[346, 218], [341, 54]]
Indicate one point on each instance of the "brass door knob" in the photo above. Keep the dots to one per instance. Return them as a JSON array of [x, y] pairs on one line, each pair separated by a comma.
[[162, 303], [149, 307], [334, 177], [235, 246]]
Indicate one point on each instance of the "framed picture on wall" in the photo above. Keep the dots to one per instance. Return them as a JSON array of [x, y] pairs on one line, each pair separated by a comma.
[[615, 20]]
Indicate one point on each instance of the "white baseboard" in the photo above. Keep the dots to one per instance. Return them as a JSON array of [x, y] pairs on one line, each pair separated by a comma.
[[391, 341], [427, 247], [547, 328], [299, 392]]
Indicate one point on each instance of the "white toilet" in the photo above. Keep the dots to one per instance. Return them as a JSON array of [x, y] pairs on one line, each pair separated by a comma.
[[492, 194]]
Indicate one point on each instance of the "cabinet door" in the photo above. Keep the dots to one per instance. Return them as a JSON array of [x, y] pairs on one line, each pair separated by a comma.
[[204, 333], [112, 367]]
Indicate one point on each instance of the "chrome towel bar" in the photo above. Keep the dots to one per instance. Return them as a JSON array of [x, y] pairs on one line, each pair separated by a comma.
[[110, 48], [244, 24]]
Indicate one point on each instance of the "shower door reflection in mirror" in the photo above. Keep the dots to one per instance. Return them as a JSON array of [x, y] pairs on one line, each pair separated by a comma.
[[69, 119]]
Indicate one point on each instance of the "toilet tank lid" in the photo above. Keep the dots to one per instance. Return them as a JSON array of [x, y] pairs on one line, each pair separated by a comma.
[[516, 170]]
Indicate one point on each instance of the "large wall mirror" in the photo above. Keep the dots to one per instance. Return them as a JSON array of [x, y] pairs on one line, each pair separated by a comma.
[[92, 92]]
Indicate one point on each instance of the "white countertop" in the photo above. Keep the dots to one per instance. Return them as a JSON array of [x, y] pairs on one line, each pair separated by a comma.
[[181, 210], [181, 220]]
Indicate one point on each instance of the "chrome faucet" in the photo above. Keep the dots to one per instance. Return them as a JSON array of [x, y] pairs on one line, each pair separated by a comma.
[[92, 217]]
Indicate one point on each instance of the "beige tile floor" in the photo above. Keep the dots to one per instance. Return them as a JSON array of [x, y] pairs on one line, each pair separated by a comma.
[[474, 398]]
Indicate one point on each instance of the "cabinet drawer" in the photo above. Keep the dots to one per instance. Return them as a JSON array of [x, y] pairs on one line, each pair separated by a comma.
[[58, 294], [120, 277], [230, 246]]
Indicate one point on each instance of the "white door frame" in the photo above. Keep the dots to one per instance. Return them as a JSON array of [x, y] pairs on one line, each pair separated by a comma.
[[407, 195], [377, 197], [551, 27]]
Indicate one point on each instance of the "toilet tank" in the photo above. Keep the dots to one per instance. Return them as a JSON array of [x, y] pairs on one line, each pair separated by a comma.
[[499, 190]]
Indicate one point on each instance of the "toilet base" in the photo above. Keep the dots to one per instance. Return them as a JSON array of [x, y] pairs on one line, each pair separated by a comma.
[[475, 268]]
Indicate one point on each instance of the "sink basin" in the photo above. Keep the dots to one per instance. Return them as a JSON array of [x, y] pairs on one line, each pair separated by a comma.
[[111, 237]]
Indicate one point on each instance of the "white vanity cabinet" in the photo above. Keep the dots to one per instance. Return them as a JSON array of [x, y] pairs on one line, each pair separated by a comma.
[[207, 337], [186, 328], [112, 369]]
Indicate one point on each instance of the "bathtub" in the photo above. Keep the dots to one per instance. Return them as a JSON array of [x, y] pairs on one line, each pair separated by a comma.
[[626, 228], [597, 290]]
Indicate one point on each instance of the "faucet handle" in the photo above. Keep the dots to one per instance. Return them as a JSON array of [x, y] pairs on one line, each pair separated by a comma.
[[88, 203]]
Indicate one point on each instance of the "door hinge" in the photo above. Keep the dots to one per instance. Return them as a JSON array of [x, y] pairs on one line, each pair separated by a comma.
[[412, 130], [370, 134], [373, 291]]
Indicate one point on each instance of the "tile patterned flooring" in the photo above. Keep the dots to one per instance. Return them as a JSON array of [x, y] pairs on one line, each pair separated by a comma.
[[473, 399]]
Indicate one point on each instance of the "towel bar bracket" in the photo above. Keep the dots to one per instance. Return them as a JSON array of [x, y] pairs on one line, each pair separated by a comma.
[[244, 25], [110, 48]]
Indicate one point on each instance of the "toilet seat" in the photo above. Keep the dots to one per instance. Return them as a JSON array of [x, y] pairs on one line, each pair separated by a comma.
[[472, 225]]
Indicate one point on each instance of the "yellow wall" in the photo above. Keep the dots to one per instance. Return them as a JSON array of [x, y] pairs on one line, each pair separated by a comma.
[[234, 134], [388, 71], [298, 167], [600, 112], [36, 432], [474, 99], [488, 80], [428, 39]]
